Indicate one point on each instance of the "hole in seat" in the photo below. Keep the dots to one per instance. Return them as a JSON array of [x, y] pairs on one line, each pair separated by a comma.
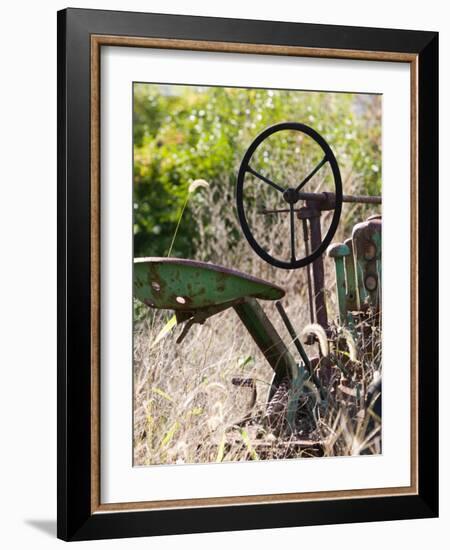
[[156, 286]]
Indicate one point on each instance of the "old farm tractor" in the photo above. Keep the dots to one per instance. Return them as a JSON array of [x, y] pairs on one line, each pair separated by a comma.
[[301, 381]]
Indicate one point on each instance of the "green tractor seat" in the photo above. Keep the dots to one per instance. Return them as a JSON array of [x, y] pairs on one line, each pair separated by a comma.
[[189, 285], [198, 290]]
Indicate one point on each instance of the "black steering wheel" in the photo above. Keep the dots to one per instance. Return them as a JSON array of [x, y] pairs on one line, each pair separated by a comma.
[[291, 195]]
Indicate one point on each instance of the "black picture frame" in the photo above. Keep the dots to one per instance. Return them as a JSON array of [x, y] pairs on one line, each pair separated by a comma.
[[76, 519]]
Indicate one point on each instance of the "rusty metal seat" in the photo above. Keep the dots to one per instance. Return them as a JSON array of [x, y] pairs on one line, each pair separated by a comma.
[[189, 285], [198, 290]]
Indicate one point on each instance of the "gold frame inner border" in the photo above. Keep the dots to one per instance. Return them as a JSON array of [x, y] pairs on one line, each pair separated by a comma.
[[97, 41]]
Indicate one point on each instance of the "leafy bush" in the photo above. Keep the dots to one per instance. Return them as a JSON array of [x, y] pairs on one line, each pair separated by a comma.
[[183, 133]]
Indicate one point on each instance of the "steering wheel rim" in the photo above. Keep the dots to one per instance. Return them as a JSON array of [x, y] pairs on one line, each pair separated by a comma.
[[245, 167]]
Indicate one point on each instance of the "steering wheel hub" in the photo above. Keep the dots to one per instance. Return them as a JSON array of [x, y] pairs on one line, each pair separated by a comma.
[[291, 195]]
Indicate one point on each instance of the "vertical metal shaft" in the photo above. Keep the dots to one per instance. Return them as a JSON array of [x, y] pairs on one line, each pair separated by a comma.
[[292, 223], [308, 270], [318, 273]]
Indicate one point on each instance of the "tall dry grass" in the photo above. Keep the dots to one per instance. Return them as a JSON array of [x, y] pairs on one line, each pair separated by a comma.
[[186, 409]]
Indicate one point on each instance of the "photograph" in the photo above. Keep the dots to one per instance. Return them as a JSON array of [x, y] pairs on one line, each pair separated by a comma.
[[232, 355], [257, 279], [231, 217]]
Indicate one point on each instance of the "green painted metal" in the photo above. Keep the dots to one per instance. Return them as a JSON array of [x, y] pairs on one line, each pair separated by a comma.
[[187, 285], [358, 270], [350, 277], [267, 338], [339, 252], [295, 391], [341, 290], [367, 251]]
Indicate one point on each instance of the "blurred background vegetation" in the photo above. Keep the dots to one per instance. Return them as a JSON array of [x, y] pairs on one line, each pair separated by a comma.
[[185, 133], [188, 146]]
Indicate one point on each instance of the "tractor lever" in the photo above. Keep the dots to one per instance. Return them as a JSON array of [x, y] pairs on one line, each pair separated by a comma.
[[186, 329], [293, 334], [298, 345]]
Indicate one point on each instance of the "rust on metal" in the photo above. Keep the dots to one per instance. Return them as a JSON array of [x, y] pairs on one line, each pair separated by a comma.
[[325, 201], [188, 285], [318, 273]]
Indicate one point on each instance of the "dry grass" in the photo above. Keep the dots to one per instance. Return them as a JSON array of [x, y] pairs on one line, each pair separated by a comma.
[[186, 409]]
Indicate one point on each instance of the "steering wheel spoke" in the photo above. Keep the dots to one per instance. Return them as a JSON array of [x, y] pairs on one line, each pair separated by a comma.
[[264, 179], [312, 173]]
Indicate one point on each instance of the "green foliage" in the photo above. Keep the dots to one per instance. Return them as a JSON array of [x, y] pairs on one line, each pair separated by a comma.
[[183, 133]]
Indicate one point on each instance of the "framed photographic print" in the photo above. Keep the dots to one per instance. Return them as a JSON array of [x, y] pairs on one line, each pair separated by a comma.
[[247, 241]]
